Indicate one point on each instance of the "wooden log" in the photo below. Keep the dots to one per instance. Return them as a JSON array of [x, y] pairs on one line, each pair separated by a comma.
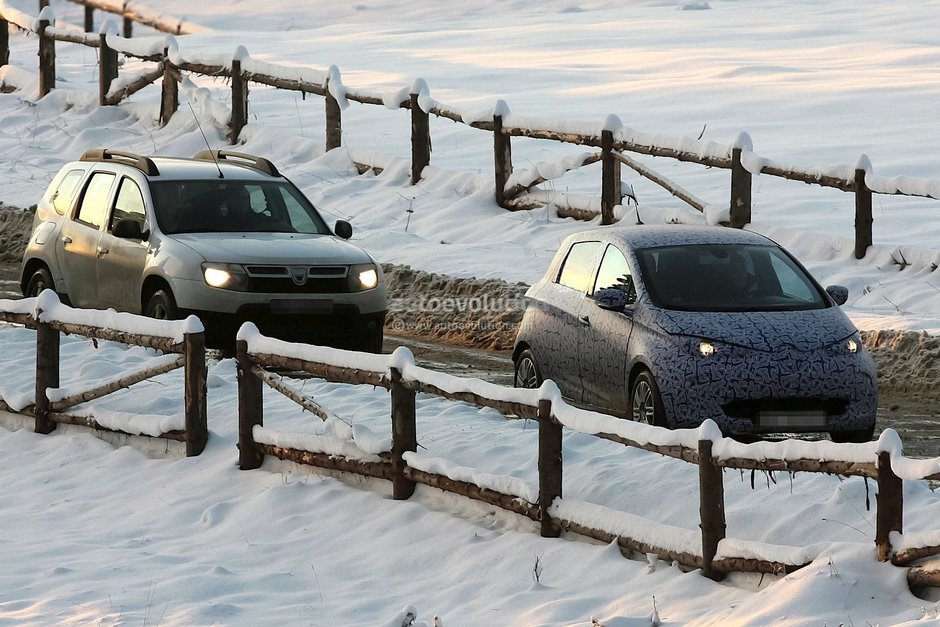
[[502, 159], [550, 467], [43, 4], [250, 409], [205, 69], [17, 318], [568, 138], [456, 117], [87, 421], [908, 556], [289, 84], [336, 374], [677, 452], [364, 98], [170, 90], [4, 406], [660, 180], [47, 374], [740, 191], [863, 215], [194, 393], [379, 470], [239, 101], [74, 37], [890, 514], [711, 507], [107, 69], [515, 190], [628, 544], [4, 42], [505, 408], [113, 386], [165, 344], [89, 19], [334, 121], [923, 577], [611, 194], [810, 178], [46, 59], [274, 382], [420, 140], [404, 435], [134, 86], [470, 490], [845, 469], [749, 565]]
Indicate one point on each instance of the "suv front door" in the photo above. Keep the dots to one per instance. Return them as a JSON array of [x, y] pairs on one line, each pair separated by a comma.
[[121, 261]]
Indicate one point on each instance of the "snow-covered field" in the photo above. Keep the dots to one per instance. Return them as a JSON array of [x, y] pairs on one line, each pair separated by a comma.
[[95, 533]]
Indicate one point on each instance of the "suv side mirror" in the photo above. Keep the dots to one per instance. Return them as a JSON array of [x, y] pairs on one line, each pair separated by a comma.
[[838, 293], [128, 229], [343, 229], [611, 298]]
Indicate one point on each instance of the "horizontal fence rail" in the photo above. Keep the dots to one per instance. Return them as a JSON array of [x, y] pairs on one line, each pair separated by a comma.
[[704, 447], [611, 137], [183, 340]]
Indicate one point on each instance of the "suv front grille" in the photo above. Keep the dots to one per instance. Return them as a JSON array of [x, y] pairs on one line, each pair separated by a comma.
[[297, 279]]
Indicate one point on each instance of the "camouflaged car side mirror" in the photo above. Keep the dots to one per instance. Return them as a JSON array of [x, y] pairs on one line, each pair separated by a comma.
[[611, 299], [343, 229], [838, 293]]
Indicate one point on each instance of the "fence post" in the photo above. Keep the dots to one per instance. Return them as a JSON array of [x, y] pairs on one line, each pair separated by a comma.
[[334, 120], [239, 101], [107, 69], [420, 140], [890, 500], [170, 91], [128, 22], [610, 178], [250, 409], [89, 19], [550, 467], [47, 372], [502, 159], [46, 55], [711, 507], [740, 191], [404, 435], [4, 42], [863, 217], [197, 430]]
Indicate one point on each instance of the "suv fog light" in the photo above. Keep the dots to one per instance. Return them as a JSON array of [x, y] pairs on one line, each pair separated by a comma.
[[216, 277]]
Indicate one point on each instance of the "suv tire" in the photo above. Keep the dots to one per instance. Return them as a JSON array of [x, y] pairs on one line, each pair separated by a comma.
[[39, 280], [162, 306]]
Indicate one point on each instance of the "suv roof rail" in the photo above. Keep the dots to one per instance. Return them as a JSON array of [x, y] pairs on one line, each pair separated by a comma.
[[258, 163], [144, 164]]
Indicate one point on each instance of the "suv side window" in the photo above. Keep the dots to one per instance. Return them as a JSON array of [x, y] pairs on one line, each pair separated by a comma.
[[94, 205], [615, 273], [65, 192], [129, 204], [577, 271]]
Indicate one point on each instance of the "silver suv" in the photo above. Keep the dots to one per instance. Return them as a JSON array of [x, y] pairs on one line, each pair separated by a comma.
[[222, 235]]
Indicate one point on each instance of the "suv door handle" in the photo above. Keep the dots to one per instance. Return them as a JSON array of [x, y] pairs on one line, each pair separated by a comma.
[[102, 251], [66, 239]]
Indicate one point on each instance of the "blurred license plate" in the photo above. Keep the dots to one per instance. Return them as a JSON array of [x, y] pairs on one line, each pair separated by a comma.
[[792, 418], [301, 306]]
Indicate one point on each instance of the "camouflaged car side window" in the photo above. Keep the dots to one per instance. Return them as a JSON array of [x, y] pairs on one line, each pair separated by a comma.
[[614, 273]]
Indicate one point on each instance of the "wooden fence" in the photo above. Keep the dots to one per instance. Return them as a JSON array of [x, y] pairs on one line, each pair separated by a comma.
[[611, 139], [48, 413], [397, 373]]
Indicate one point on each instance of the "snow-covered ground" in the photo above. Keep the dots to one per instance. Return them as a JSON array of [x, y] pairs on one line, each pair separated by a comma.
[[115, 535]]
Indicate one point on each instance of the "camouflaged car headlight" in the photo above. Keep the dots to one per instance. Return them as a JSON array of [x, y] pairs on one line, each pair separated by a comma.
[[226, 276], [362, 277], [851, 345]]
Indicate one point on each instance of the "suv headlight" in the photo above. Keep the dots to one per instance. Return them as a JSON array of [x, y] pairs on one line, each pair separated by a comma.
[[226, 276], [362, 277]]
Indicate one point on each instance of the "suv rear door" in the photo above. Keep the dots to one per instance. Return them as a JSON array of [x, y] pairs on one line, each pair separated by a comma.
[[77, 246]]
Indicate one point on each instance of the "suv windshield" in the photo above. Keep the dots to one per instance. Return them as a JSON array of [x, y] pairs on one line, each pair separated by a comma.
[[226, 205], [727, 277]]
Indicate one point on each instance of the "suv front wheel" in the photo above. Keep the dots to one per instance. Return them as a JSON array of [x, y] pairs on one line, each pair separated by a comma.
[[162, 306]]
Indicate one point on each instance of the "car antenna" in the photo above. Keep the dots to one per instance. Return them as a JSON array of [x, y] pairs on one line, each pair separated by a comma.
[[638, 220], [205, 139]]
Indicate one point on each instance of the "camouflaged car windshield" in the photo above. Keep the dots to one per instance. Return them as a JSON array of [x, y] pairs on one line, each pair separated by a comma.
[[727, 277], [225, 205]]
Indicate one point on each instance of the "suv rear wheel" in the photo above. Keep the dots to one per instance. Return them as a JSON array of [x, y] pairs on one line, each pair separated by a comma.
[[39, 280], [162, 306]]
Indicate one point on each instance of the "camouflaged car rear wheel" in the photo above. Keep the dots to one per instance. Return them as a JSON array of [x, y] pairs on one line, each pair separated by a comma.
[[646, 405], [527, 374]]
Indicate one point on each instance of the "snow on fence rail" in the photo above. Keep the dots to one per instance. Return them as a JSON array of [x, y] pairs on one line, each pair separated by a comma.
[[397, 460], [184, 340], [511, 187]]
